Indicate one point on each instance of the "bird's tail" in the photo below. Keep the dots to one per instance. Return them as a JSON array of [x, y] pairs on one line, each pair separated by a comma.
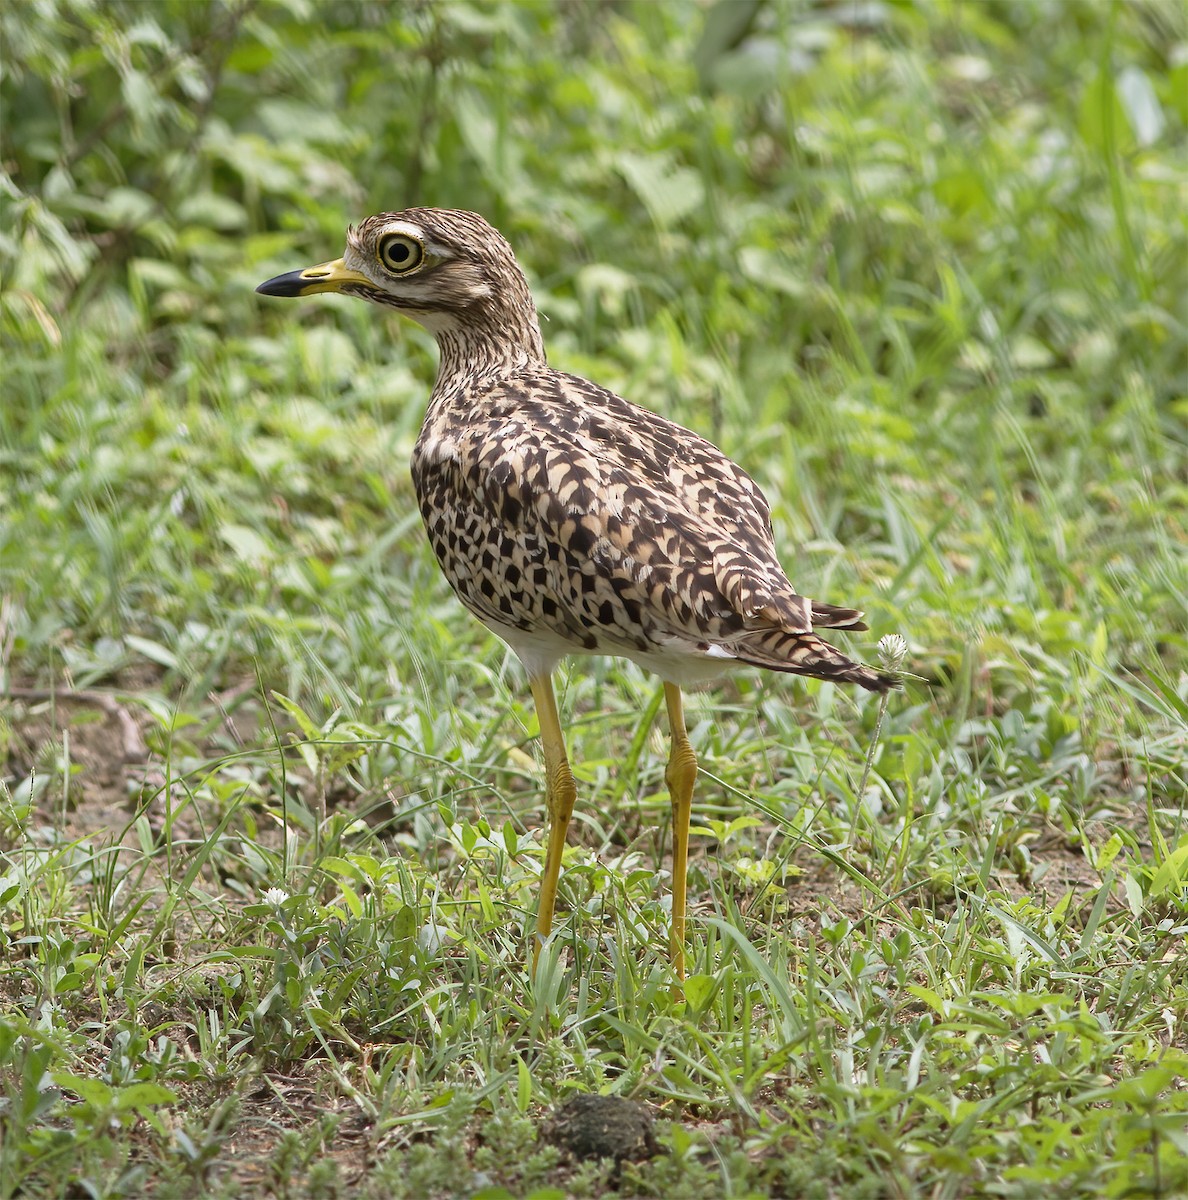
[[806, 654], [830, 616]]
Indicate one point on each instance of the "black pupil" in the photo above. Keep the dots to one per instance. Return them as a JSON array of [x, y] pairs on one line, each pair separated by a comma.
[[399, 252]]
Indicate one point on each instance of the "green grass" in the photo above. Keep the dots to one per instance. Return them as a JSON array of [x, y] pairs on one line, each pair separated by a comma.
[[270, 819]]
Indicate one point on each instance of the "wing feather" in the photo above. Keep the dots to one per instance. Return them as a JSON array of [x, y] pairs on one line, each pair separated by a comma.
[[570, 510]]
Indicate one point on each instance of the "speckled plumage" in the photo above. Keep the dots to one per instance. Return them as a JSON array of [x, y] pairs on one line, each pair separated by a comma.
[[566, 518]]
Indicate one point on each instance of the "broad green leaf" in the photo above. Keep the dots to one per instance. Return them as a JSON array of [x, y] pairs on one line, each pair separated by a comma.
[[668, 192]]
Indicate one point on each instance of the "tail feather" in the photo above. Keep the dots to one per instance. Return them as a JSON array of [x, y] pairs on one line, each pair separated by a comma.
[[807, 654], [832, 616]]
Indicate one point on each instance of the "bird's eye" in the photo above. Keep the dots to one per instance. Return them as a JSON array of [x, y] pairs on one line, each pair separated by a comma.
[[400, 253]]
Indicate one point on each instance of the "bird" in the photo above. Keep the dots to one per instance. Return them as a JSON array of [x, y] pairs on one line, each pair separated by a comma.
[[571, 521]]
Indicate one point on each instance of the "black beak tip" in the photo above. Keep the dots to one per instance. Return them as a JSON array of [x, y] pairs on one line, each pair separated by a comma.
[[289, 284]]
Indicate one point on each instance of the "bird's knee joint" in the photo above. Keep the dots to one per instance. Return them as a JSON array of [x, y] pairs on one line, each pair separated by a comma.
[[681, 772], [562, 792]]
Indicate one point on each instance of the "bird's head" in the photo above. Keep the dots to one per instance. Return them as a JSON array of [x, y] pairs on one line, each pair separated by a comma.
[[448, 270]]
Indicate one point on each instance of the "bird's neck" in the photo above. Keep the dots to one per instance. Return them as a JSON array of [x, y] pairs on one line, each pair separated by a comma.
[[485, 342]]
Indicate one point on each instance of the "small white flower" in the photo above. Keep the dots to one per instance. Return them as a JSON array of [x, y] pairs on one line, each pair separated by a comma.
[[276, 897], [892, 651]]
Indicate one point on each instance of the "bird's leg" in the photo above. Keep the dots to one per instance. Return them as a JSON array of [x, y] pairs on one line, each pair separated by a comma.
[[560, 794], [680, 775]]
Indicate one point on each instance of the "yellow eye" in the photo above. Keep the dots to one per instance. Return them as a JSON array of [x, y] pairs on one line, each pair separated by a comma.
[[400, 253]]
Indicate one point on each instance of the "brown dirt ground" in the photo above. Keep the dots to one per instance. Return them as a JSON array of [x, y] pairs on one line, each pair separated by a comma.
[[102, 738]]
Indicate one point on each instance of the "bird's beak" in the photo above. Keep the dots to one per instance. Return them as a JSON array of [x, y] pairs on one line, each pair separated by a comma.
[[333, 276]]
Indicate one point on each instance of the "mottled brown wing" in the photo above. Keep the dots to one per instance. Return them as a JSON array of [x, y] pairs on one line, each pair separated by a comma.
[[624, 528]]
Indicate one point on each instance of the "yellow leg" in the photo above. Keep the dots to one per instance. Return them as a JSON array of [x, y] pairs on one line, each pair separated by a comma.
[[680, 777], [560, 794]]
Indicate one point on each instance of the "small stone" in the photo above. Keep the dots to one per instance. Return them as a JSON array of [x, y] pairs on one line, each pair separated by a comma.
[[590, 1127]]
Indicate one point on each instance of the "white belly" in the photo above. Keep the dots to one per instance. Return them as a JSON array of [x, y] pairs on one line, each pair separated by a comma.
[[681, 663]]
